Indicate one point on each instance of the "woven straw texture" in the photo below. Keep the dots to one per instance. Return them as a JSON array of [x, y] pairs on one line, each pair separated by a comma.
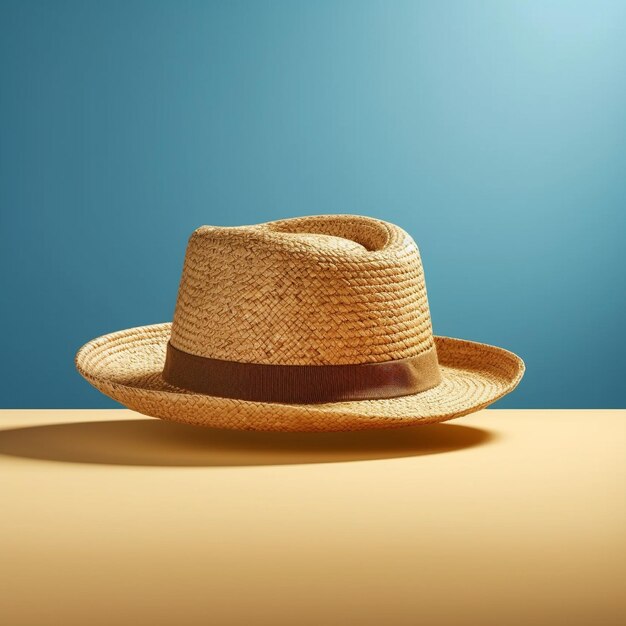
[[308, 291], [317, 290]]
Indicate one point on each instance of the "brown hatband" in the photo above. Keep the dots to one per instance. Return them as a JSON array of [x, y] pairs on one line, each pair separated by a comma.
[[301, 384]]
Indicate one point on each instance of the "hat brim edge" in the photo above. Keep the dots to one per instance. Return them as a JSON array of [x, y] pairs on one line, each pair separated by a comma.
[[126, 366]]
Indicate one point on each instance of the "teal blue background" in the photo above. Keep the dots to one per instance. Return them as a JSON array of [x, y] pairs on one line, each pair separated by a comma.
[[494, 132]]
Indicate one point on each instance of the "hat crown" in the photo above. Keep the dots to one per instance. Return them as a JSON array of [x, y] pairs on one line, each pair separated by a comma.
[[319, 290]]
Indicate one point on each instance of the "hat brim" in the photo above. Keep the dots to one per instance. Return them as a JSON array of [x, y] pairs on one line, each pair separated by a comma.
[[126, 365]]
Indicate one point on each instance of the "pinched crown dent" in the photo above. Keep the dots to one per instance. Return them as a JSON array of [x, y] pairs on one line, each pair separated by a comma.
[[310, 291]]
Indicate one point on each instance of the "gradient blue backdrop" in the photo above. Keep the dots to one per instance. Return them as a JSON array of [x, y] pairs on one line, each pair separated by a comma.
[[494, 132]]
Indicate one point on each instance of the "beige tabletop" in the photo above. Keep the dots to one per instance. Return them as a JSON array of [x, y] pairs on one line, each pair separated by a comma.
[[503, 517]]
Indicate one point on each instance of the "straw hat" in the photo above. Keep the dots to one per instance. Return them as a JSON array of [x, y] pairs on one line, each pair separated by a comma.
[[312, 324]]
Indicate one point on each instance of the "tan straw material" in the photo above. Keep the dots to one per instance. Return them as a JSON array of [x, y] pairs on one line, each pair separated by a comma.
[[313, 291]]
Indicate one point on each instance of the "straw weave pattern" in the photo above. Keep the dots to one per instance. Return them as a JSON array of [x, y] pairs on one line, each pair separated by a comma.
[[333, 289]]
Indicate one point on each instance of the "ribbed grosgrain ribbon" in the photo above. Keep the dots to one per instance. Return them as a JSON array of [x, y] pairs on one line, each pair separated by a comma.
[[301, 384]]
